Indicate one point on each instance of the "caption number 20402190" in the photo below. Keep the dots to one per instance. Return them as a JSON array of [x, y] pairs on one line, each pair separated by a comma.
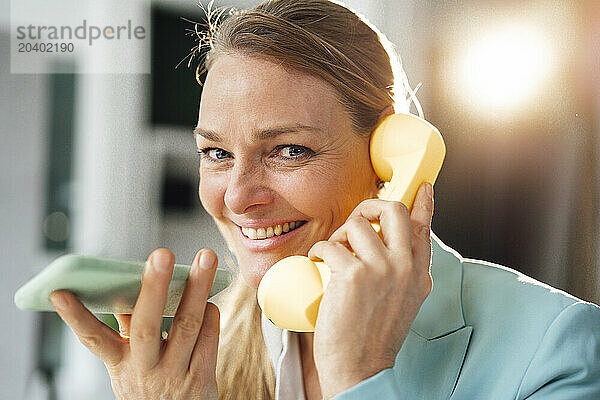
[[46, 47]]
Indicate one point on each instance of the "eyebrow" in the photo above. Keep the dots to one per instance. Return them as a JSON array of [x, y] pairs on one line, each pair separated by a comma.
[[260, 134]]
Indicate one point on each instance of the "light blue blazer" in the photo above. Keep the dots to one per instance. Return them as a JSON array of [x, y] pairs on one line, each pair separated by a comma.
[[488, 332]]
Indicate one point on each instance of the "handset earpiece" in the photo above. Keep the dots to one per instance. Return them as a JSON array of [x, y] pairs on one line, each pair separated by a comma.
[[405, 152]]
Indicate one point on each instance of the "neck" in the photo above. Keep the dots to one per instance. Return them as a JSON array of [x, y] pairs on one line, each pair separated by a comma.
[[312, 387], [306, 340]]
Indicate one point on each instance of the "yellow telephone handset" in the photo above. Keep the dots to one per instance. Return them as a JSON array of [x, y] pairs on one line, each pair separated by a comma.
[[405, 151]]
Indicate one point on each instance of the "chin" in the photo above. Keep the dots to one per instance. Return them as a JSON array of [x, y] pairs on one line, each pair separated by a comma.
[[254, 266], [254, 272]]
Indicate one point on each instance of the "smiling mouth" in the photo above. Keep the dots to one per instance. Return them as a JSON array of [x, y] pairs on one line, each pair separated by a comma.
[[270, 231]]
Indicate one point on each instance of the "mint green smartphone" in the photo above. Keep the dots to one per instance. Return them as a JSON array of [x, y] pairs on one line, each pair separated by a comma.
[[104, 286]]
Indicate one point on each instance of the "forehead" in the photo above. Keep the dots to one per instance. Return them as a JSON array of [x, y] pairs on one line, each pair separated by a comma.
[[248, 92]]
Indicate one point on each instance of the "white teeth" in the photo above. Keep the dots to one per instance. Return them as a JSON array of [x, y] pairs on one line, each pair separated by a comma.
[[261, 233], [270, 231]]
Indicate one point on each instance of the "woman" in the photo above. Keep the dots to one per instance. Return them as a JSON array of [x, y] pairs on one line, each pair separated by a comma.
[[293, 91]]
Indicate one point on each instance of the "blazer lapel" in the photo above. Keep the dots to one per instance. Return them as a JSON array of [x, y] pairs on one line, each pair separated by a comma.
[[429, 363]]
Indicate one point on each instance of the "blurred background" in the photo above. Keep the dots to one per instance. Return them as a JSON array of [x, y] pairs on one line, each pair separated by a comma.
[[105, 164]]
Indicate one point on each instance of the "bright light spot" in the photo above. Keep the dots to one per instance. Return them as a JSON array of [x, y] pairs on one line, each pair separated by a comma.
[[505, 68]]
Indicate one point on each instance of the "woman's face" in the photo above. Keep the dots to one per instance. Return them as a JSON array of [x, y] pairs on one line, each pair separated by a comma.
[[277, 148]]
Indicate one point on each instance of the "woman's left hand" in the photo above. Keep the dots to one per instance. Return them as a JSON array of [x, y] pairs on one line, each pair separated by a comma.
[[373, 296]]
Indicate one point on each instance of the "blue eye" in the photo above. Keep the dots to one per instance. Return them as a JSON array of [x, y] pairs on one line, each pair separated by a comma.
[[293, 151], [214, 153]]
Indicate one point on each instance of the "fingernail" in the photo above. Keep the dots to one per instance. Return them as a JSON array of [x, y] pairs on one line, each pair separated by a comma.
[[161, 261], [59, 301], [207, 260], [429, 190]]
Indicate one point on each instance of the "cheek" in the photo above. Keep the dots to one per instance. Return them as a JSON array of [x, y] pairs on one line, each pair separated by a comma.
[[211, 191], [344, 185], [325, 193]]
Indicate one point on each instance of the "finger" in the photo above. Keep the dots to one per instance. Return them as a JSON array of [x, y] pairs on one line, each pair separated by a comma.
[[204, 357], [99, 338], [124, 321], [146, 320], [420, 217], [190, 313], [337, 257], [358, 234], [394, 220]]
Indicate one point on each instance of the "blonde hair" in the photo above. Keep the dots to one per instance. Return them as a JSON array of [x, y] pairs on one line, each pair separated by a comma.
[[323, 39], [244, 368]]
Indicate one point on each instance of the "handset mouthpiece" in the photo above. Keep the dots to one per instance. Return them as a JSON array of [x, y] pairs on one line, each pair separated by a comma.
[[290, 292]]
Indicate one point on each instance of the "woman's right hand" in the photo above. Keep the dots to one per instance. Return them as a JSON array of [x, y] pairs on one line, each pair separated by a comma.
[[140, 364]]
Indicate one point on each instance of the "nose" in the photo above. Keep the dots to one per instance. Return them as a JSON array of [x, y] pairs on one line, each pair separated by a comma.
[[247, 189]]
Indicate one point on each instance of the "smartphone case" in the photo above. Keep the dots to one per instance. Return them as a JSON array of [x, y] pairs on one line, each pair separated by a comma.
[[104, 286]]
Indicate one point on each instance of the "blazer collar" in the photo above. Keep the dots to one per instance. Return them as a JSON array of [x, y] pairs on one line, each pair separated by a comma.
[[442, 310]]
